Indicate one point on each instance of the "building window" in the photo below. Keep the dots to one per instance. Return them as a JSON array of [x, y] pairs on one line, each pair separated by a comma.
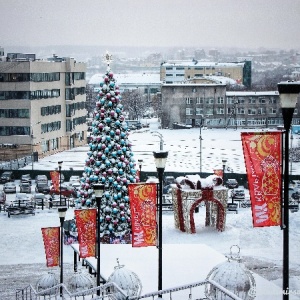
[[251, 111], [251, 100], [261, 111], [188, 111], [220, 100], [272, 110], [220, 111], [189, 101], [179, 68], [240, 110], [169, 68], [199, 111], [179, 75], [261, 100], [199, 100]]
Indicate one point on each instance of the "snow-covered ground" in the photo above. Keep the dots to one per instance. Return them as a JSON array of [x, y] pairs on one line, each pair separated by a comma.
[[261, 248]]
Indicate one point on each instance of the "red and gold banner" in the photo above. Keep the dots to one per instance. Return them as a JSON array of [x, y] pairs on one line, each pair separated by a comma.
[[51, 238], [143, 213], [86, 227], [218, 172], [55, 179], [262, 154]]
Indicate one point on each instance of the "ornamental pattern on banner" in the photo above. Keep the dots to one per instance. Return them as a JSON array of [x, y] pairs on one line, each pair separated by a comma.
[[262, 154], [51, 238], [86, 227], [143, 213], [55, 179]]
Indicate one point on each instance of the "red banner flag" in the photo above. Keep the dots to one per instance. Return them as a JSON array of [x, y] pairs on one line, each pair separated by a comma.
[[262, 154], [51, 238], [55, 180], [143, 213], [86, 227]]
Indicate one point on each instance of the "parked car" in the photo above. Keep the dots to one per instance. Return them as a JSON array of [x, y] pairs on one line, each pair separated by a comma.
[[41, 178], [76, 185], [23, 199], [238, 194], [65, 190], [231, 183], [295, 195], [152, 179], [73, 179], [25, 187], [9, 187], [40, 199], [26, 178], [6, 177], [42, 187], [2, 197]]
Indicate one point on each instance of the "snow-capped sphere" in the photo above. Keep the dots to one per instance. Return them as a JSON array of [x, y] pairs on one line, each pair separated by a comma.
[[45, 282], [233, 276]]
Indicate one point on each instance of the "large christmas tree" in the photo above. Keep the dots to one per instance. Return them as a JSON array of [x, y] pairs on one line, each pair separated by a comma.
[[110, 162]]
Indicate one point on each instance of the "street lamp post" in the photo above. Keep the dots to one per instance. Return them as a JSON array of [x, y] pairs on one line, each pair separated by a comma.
[[288, 92], [160, 162], [59, 172], [200, 138], [161, 139], [140, 161], [224, 165], [31, 142], [62, 214], [98, 189]]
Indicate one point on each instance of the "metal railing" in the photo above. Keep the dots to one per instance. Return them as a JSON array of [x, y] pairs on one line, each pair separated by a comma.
[[112, 291]]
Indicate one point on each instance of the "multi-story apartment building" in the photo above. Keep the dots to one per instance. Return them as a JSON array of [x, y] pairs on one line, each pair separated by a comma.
[[212, 106], [183, 71], [191, 103], [42, 104]]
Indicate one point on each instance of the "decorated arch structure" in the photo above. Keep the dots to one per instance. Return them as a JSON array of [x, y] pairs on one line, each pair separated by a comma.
[[186, 200]]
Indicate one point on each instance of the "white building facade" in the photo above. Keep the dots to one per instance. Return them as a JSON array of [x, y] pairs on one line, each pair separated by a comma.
[[42, 103]]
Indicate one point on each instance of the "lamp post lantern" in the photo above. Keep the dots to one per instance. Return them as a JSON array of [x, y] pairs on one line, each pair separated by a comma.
[[288, 92], [224, 161], [59, 172], [160, 162], [62, 214], [98, 189]]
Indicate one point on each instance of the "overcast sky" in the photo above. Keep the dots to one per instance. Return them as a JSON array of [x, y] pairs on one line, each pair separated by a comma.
[[196, 23]]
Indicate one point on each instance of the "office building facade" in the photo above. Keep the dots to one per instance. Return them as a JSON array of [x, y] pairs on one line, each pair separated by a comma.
[[42, 104]]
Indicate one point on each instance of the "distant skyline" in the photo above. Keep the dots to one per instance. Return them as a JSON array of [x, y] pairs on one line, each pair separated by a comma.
[[249, 24]]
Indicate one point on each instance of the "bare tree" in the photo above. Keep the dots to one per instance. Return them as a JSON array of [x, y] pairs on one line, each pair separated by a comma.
[[134, 104], [91, 97]]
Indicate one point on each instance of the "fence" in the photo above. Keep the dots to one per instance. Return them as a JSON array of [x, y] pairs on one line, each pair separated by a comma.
[[113, 292]]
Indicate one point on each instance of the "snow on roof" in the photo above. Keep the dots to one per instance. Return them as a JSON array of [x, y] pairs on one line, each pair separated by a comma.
[[132, 78], [195, 63]]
